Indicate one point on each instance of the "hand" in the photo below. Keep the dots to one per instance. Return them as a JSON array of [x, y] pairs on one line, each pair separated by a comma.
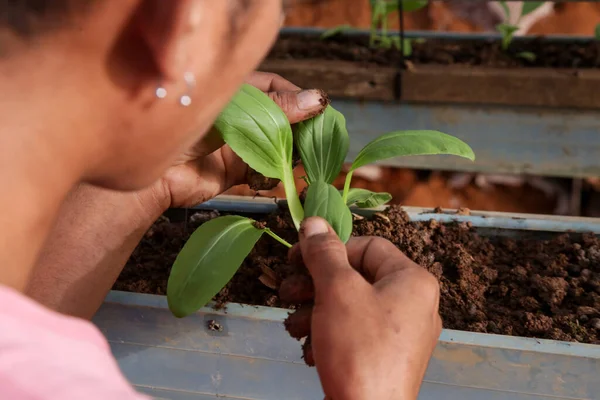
[[375, 319], [210, 167]]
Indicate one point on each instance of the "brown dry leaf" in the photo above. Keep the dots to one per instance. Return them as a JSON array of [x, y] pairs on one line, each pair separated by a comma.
[[269, 272], [268, 282]]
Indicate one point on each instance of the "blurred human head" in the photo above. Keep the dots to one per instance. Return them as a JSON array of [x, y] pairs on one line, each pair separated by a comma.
[[138, 81]]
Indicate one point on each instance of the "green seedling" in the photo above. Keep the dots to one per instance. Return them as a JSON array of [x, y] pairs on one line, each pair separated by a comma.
[[380, 12], [508, 30], [259, 132], [337, 30]]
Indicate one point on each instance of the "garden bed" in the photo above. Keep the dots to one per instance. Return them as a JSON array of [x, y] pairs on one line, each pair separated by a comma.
[[492, 281], [444, 68]]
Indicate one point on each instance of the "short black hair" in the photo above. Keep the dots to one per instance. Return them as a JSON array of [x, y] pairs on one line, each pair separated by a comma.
[[27, 17]]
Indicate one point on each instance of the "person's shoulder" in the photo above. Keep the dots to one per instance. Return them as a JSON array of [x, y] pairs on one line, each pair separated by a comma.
[[34, 320], [46, 355]]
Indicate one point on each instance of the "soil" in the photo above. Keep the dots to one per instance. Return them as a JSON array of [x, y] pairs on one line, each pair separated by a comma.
[[486, 53], [534, 288]]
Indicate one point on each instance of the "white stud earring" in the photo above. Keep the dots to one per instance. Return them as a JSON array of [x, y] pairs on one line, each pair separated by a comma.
[[190, 81], [161, 92]]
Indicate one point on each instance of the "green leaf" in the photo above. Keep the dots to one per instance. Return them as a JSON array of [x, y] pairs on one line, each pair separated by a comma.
[[323, 200], [406, 48], [209, 259], [323, 144], [258, 131], [527, 55], [389, 6], [363, 198], [385, 42], [597, 32], [411, 143], [507, 32], [506, 9], [336, 30], [530, 6], [413, 5]]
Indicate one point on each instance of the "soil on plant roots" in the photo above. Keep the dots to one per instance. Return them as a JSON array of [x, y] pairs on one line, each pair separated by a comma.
[[488, 53], [535, 288]]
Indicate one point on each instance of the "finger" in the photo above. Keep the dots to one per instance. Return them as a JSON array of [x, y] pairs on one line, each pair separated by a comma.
[[211, 175], [375, 258], [269, 82], [300, 105], [298, 324], [295, 256], [297, 289], [324, 255]]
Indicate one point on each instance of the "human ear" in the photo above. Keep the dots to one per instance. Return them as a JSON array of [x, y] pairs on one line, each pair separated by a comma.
[[169, 28]]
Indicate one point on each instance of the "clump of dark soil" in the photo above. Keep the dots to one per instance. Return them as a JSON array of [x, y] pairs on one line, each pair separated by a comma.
[[535, 288], [548, 53]]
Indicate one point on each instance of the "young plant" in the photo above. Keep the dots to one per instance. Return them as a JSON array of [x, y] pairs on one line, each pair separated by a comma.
[[258, 131], [336, 30], [507, 30], [380, 12]]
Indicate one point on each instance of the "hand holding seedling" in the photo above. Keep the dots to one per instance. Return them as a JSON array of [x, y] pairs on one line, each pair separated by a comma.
[[259, 132], [210, 167], [375, 318]]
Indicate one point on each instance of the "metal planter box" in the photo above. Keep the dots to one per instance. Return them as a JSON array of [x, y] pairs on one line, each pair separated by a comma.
[[537, 121], [252, 357]]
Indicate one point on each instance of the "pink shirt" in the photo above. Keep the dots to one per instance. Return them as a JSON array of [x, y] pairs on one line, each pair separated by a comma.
[[49, 356]]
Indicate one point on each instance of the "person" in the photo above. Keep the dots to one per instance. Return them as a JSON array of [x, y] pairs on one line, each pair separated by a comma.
[[106, 111]]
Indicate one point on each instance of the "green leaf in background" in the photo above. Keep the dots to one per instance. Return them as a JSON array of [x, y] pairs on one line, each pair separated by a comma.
[[363, 198], [530, 6], [505, 9], [209, 259], [413, 5], [406, 48], [336, 30], [527, 55], [323, 200], [507, 32], [597, 32], [411, 143], [258, 131], [389, 6], [323, 144]]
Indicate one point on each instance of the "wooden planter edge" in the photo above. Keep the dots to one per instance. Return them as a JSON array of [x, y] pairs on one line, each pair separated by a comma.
[[536, 87]]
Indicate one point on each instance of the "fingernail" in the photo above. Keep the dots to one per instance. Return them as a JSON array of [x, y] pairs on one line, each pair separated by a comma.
[[314, 226], [312, 100]]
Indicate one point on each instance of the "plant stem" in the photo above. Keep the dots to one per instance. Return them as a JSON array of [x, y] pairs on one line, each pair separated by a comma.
[[274, 236], [291, 195], [347, 187], [384, 22], [373, 34], [375, 22]]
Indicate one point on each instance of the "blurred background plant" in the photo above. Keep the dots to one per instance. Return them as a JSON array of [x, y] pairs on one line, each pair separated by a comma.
[[448, 189]]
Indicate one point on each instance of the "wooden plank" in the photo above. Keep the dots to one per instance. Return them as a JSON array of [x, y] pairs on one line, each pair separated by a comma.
[[338, 78], [539, 87]]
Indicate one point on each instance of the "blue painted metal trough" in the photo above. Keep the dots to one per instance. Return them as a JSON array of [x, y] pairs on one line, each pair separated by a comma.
[[252, 357]]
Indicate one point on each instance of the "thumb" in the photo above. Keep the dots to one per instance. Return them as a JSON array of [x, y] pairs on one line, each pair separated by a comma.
[[323, 253], [301, 105]]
